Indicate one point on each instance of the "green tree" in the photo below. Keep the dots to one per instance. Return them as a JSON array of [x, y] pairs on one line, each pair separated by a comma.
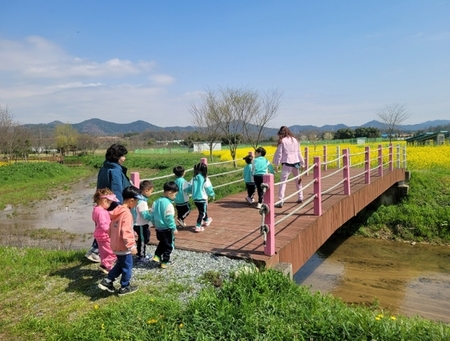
[[66, 138], [343, 134]]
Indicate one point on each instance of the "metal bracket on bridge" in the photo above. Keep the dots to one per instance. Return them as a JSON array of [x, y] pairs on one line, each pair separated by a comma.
[[264, 231], [264, 187], [264, 210]]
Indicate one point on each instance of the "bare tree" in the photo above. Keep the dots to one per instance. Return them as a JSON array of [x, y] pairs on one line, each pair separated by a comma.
[[14, 139], [87, 144], [264, 111], [392, 116], [235, 109], [204, 118]]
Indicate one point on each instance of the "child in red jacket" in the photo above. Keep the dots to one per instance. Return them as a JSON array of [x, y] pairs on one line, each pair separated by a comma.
[[123, 243]]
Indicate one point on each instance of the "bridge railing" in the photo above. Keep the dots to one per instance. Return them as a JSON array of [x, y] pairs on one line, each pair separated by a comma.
[[364, 164], [384, 158]]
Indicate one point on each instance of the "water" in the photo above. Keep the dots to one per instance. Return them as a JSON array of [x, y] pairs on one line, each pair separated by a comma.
[[405, 279]]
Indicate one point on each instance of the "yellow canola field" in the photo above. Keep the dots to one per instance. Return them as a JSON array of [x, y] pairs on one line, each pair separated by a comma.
[[417, 157]]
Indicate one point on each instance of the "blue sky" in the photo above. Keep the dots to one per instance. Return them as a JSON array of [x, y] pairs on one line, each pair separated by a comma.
[[121, 61]]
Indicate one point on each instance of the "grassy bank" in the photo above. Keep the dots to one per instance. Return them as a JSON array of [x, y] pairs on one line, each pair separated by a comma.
[[52, 295]]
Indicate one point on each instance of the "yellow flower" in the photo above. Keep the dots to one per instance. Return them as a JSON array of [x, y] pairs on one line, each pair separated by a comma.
[[103, 326], [96, 306], [152, 300], [377, 318], [152, 321], [181, 325], [393, 318]]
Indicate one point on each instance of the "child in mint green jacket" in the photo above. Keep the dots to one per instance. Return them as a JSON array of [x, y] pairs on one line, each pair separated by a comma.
[[200, 188], [261, 166]]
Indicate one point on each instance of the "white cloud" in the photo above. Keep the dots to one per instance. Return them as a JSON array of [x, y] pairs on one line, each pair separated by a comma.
[[162, 79], [39, 58], [41, 83]]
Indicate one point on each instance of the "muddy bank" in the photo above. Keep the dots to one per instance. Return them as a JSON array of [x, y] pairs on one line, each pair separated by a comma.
[[63, 221]]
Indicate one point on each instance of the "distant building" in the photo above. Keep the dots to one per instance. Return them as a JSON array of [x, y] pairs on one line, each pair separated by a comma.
[[204, 146]]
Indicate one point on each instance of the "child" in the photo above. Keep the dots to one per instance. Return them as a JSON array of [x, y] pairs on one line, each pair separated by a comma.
[[163, 217], [182, 198], [201, 188], [261, 166], [123, 243], [141, 218], [248, 178], [103, 198]]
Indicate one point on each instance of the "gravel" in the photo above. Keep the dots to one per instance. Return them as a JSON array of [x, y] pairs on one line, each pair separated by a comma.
[[189, 269]]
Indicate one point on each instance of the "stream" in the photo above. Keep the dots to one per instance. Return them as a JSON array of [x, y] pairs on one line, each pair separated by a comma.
[[402, 278]]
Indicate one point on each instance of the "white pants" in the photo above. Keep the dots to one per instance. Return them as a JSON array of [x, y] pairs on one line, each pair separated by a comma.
[[285, 171]]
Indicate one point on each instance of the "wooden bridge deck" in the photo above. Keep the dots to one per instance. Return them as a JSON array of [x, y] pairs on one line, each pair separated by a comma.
[[235, 232]]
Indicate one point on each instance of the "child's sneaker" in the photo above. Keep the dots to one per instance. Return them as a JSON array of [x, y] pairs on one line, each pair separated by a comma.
[[249, 200], [127, 290], [165, 265], [141, 260], [156, 259], [103, 269], [93, 257], [199, 229], [207, 222], [258, 205], [181, 222], [105, 285]]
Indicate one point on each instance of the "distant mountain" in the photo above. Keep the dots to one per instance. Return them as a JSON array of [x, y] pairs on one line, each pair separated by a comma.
[[99, 127]]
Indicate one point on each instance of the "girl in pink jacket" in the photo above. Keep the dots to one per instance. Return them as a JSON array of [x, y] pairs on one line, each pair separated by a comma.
[[103, 198], [289, 156]]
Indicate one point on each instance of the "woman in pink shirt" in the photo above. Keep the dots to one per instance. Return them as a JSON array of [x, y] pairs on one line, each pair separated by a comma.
[[289, 156]]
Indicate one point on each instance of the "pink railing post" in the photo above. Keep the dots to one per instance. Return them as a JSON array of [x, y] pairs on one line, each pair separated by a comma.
[[380, 160], [204, 160], [317, 187], [391, 161], [346, 172], [367, 166], [398, 155], [306, 158], [135, 179], [269, 220], [325, 166]]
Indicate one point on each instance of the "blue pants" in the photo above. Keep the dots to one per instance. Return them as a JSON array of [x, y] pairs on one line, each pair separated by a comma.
[[124, 267]]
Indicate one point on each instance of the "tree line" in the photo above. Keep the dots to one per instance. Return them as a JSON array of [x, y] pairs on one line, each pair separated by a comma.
[[232, 116]]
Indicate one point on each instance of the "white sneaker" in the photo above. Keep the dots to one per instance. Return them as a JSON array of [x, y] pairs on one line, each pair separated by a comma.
[[249, 200], [258, 206], [207, 222], [181, 222], [93, 257], [199, 229]]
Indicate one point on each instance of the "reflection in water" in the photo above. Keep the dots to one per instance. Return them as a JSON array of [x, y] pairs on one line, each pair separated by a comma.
[[404, 279]]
